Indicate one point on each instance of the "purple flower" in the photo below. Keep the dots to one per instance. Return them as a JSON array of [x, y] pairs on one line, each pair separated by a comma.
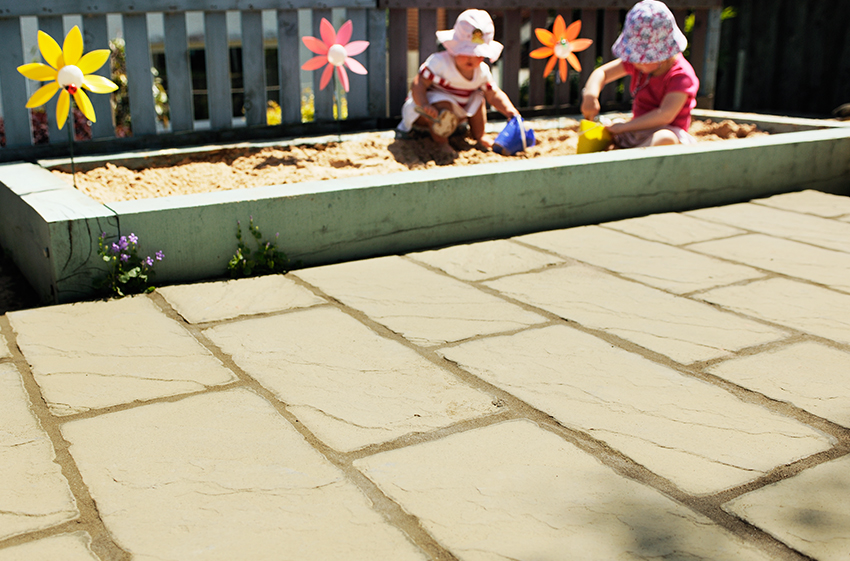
[[148, 261], [124, 258], [133, 238], [160, 255], [115, 248], [122, 243]]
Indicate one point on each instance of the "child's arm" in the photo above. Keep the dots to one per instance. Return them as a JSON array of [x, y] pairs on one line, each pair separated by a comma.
[[418, 90], [500, 102], [671, 104], [605, 74]]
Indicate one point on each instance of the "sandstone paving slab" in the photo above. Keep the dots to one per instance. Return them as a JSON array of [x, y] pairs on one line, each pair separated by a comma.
[[798, 305], [656, 264], [824, 266], [515, 491], [222, 476], [348, 385], [810, 511], [682, 329], [484, 260], [809, 201], [75, 546], [98, 354], [823, 232], [425, 307], [673, 228], [214, 301], [33, 492], [695, 434], [810, 375]]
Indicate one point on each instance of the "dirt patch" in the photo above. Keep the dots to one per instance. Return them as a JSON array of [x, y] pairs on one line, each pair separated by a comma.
[[366, 154]]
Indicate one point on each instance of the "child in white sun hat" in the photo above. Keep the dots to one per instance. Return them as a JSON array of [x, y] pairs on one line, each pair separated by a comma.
[[663, 83], [457, 82]]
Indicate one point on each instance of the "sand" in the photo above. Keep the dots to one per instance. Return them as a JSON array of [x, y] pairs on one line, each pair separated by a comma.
[[376, 153]]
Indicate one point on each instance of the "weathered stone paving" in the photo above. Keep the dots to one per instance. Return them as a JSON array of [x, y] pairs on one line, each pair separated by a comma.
[[672, 386]]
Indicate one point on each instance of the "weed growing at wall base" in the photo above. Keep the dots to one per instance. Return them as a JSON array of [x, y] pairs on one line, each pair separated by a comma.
[[127, 272], [265, 260]]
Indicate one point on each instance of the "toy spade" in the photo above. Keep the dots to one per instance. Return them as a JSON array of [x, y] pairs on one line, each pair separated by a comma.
[[444, 125]]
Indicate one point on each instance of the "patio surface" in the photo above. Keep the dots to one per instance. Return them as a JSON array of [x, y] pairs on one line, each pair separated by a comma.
[[675, 386]]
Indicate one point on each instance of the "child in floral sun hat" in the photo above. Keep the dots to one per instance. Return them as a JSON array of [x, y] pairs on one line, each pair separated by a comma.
[[663, 83], [459, 82]]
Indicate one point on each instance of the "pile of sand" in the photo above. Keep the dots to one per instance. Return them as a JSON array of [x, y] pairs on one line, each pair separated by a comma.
[[377, 153]]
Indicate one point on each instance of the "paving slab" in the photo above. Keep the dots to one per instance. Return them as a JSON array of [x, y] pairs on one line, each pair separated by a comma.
[[486, 260], [794, 304], [401, 295], [215, 301], [89, 356], [656, 264], [33, 492], [800, 260], [810, 375], [823, 232], [684, 330], [810, 511], [697, 435], [67, 547], [223, 476], [826, 205], [348, 385], [515, 491], [673, 228]]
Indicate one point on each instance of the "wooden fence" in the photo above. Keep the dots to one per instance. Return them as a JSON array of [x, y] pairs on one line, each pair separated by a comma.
[[374, 99]]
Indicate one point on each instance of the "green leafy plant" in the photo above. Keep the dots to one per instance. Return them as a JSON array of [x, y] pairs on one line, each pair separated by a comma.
[[266, 259], [127, 272]]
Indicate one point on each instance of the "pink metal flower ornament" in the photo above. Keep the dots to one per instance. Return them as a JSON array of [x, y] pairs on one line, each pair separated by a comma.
[[335, 50]]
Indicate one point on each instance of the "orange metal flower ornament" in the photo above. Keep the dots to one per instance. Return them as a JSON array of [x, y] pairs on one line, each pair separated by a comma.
[[69, 70], [561, 43], [335, 51]]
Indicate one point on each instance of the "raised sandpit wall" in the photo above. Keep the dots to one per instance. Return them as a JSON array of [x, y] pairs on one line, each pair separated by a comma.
[[50, 229]]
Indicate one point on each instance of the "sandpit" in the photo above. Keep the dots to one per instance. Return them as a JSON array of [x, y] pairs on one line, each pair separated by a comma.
[[375, 153]]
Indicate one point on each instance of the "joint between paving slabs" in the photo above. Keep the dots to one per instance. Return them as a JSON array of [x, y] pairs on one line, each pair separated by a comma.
[[88, 518]]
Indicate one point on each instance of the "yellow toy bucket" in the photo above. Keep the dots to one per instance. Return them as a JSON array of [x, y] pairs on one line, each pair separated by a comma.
[[592, 137]]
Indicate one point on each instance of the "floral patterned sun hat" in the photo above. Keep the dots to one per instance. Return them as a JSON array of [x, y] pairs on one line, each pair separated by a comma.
[[472, 35], [649, 35]]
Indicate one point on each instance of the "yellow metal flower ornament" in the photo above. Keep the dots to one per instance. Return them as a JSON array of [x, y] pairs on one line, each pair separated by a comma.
[[69, 70]]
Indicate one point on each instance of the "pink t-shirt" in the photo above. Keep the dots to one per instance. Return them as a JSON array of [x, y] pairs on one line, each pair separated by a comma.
[[648, 90]]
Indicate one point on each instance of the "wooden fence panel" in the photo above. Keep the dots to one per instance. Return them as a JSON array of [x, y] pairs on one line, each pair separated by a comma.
[[397, 47], [376, 56], [217, 58], [511, 55], [16, 117], [139, 79], [253, 68], [536, 83], [323, 99], [96, 36], [180, 103], [358, 102], [427, 33], [289, 69]]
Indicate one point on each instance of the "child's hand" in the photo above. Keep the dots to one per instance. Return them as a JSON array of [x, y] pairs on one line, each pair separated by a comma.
[[590, 106]]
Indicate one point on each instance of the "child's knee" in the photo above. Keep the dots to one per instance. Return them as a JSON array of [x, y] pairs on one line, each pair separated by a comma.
[[664, 137]]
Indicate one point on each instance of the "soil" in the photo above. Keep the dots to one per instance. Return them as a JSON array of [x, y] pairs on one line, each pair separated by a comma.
[[376, 153]]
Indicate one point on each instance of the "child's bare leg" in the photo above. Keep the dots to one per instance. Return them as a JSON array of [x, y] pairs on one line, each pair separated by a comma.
[[477, 122], [661, 137]]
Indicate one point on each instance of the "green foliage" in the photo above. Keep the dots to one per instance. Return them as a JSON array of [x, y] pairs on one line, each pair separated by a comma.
[[127, 272], [266, 259]]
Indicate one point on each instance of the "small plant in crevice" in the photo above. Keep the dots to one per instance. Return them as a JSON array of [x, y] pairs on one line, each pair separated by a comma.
[[127, 272], [266, 259]]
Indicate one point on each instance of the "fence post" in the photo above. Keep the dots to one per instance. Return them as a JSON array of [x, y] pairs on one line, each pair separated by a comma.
[[376, 55], [397, 36], [96, 36], [180, 103], [137, 54], [16, 118]]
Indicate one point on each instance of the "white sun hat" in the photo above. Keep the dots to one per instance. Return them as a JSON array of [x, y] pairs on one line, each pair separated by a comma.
[[472, 35]]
